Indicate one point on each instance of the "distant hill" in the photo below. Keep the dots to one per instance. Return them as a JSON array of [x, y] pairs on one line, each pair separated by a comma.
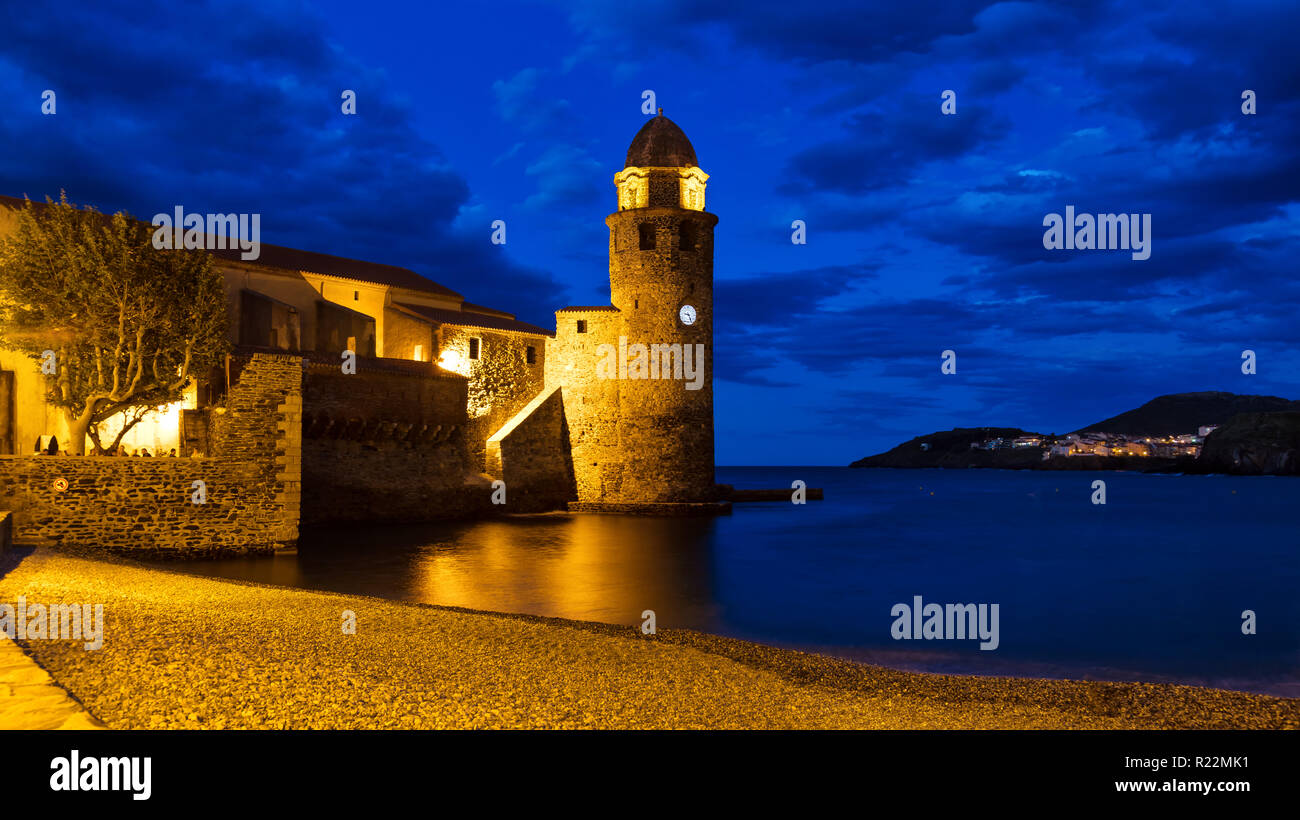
[[1255, 444], [1184, 412], [1257, 434], [943, 449]]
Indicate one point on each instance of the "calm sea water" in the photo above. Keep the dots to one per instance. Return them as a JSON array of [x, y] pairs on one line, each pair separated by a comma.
[[1150, 586]]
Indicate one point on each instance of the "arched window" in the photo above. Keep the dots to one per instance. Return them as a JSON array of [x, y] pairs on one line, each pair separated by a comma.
[[686, 236], [647, 233]]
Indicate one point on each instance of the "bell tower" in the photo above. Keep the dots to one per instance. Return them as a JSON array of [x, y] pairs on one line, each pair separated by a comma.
[[661, 283]]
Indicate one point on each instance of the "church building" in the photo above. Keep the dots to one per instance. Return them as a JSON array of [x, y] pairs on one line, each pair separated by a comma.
[[614, 408]]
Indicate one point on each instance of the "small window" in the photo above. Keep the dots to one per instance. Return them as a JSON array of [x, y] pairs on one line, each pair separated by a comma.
[[636, 303], [647, 232], [473, 348], [530, 354], [356, 295], [686, 236], [582, 325], [419, 353]]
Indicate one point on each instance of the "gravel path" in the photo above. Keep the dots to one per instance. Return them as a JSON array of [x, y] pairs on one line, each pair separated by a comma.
[[188, 652]]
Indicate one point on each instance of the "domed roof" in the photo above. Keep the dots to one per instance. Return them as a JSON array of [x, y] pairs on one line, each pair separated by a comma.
[[660, 144]]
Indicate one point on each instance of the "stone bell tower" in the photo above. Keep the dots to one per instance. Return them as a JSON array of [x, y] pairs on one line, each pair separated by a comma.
[[661, 283]]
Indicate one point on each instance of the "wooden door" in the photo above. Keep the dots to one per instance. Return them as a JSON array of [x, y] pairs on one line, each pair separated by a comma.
[[8, 423]]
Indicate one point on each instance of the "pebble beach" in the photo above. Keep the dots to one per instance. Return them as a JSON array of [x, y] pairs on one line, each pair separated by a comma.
[[185, 652]]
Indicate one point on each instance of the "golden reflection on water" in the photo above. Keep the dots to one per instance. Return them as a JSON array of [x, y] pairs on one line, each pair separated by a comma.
[[585, 567]]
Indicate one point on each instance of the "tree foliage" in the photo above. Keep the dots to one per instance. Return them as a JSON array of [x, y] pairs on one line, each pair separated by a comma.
[[129, 325]]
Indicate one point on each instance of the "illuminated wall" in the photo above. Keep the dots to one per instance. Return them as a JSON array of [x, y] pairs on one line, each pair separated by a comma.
[[361, 297], [403, 333], [501, 380], [285, 287], [661, 187], [665, 432], [590, 402], [33, 418]]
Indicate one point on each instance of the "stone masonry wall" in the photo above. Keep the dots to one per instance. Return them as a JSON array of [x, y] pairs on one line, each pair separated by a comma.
[[665, 431], [430, 396], [501, 381], [402, 333], [120, 504], [533, 457], [590, 402], [386, 445], [388, 480]]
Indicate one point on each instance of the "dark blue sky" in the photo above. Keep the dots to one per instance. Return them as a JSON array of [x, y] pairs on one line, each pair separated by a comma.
[[924, 231]]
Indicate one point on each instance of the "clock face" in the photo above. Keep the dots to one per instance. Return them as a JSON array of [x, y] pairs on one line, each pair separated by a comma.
[[687, 314]]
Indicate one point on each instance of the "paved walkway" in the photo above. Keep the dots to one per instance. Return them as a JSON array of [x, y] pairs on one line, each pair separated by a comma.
[[29, 698]]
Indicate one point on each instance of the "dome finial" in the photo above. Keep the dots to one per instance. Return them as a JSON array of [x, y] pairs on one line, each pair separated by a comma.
[[661, 110], [660, 144]]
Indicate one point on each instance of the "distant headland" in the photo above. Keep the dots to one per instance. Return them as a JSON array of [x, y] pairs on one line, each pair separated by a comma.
[[1207, 432]]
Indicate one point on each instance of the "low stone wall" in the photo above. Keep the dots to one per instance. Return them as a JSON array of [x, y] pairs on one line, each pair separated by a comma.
[[6, 531], [415, 392], [387, 480], [386, 444], [124, 504], [132, 504]]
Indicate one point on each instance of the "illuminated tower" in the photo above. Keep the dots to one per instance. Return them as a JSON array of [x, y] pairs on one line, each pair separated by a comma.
[[661, 281], [638, 437]]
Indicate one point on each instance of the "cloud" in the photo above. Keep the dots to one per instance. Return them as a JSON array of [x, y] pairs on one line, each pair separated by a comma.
[[881, 150], [565, 175], [523, 101], [249, 121], [765, 299], [925, 231]]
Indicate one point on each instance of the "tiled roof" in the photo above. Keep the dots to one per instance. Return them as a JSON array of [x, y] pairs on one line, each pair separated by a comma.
[[320, 361], [441, 316], [275, 256], [470, 306]]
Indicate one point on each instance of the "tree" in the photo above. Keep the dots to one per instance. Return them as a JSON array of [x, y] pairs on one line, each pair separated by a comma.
[[127, 324]]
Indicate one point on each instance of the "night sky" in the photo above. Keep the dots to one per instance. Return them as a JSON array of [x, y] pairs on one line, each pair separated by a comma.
[[924, 231]]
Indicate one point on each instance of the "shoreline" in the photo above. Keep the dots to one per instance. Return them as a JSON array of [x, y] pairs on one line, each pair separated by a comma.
[[201, 652], [1080, 469], [917, 662]]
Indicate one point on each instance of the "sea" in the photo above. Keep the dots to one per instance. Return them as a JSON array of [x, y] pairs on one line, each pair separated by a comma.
[[1180, 579]]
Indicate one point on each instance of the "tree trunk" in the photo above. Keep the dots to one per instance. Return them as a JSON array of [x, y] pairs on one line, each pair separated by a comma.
[[127, 424], [77, 426]]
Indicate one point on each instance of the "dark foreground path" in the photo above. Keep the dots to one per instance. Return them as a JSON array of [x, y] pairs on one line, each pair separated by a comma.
[[188, 652]]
